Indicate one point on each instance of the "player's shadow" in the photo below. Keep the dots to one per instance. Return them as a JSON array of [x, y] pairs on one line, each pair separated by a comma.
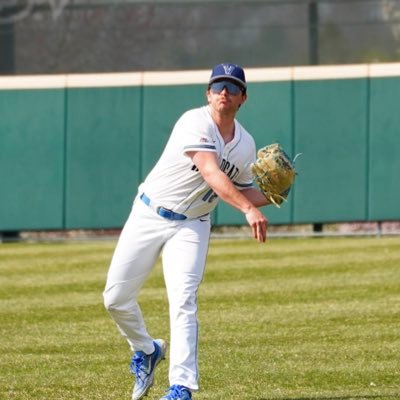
[[371, 397]]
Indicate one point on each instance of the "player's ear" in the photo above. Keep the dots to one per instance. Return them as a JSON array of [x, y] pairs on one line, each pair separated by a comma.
[[208, 94], [244, 98]]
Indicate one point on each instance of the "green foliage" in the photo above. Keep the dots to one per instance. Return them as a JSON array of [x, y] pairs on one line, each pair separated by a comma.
[[294, 319]]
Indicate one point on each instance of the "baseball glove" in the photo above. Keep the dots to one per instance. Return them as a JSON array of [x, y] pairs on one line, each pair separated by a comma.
[[274, 173]]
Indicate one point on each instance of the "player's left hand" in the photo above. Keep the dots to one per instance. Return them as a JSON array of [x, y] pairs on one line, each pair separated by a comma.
[[274, 173]]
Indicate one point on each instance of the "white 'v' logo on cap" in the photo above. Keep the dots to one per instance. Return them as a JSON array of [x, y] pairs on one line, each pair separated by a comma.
[[228, 69]]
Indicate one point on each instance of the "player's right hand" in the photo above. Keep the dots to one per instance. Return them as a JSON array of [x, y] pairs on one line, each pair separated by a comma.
[[258, 223]]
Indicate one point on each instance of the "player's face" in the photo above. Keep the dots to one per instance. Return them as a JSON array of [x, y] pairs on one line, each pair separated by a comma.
[[225, 96]]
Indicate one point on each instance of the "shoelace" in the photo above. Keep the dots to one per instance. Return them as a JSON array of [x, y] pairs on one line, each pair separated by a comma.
[[176, 391], [136, 365]]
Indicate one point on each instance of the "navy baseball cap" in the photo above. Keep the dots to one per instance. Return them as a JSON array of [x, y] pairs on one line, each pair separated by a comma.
[[228, 71]]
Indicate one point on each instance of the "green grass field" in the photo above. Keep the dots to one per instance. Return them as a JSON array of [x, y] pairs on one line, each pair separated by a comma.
[[291, 319]]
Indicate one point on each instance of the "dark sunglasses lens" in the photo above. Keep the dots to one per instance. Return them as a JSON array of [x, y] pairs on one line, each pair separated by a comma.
[[218, 87]]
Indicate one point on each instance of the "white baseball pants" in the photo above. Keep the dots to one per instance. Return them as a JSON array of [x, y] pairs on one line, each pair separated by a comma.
[[184, 246]]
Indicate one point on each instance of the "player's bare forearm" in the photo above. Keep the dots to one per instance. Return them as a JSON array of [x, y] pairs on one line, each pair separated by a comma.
[[256, 197], [225, 189], [208, 166]]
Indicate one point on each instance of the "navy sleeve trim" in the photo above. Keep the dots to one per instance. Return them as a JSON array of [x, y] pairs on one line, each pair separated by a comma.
[[200, 147], [243, 185]]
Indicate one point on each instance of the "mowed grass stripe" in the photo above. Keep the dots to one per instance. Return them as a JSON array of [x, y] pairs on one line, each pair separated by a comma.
[[293, 319]]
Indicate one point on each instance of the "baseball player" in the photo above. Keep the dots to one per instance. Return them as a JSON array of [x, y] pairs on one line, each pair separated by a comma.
[[208, 157]]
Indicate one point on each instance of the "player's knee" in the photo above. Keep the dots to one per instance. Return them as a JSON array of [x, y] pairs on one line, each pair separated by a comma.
[[114, 300], [184, 307], [108, 302]]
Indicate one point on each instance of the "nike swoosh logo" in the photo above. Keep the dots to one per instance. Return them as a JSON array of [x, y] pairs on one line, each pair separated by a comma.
[[203, 220]]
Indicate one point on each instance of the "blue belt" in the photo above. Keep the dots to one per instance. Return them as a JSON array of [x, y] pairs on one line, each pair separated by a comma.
[[163, 212]]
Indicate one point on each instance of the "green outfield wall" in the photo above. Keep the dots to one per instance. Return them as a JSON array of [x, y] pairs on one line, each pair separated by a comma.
[[73, 148]]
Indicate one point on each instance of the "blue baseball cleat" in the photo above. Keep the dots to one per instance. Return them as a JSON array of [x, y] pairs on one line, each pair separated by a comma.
[[178, 392], [143, 366]]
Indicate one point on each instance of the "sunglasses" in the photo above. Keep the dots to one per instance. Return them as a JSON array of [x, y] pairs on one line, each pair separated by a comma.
[[232, 88]]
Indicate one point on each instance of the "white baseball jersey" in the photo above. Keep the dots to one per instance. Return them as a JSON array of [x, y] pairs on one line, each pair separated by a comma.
[[176, 184]]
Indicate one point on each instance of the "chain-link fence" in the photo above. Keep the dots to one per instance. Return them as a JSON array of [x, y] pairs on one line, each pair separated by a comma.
[[72, 36]]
